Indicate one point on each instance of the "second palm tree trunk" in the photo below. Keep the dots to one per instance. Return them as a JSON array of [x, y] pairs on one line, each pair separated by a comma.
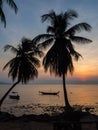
[[3, 98]]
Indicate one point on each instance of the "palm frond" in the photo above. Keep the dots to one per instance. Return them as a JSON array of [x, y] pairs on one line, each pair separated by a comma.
[[24, 65], [14, 68], [46, 43], [26, 44], [77, 55], [35, 61], [71, 67], [13, 49], [70, 14], [78, 39], [12, 5], [78, 28], [7, 64], [58, 60], [50, 29], [38, 52], [42, 37], [50, 16], [2, 17], [45, 17], [72, 51], [25, 40], [29, 65]]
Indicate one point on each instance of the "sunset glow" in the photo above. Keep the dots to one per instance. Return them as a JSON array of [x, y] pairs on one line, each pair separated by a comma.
[[28, 23]]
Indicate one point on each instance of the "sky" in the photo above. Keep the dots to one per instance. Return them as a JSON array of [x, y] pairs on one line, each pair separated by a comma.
[[27, 23]]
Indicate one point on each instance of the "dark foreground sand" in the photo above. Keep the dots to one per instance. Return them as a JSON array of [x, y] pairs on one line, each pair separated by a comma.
[[32, 125], [45, 122]]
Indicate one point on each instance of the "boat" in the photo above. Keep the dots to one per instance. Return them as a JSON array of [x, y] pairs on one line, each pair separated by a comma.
[[49, 93], [14, 95]]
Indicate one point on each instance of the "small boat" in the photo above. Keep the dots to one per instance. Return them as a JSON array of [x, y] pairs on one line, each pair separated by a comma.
[[14, 95], [49, 93]]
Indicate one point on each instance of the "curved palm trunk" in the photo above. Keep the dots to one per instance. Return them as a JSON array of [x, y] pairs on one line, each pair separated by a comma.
[[5, 95], [65, 93]]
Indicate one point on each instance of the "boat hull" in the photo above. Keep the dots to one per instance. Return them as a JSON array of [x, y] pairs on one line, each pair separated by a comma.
[[49, 93], [14, 97]]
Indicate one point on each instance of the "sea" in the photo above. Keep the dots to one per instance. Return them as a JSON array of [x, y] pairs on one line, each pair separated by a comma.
[[81, 96]]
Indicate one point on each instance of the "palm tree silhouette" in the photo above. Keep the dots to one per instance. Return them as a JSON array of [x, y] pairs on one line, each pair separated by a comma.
[[12, 4], [59, 37], [24, 65]]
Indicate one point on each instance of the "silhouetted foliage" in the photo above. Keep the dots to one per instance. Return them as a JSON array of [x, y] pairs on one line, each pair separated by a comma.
[[24, 66], [12, 4], [60, 37]]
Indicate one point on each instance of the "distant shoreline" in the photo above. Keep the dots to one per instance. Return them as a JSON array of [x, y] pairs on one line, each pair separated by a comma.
[[8, 83]]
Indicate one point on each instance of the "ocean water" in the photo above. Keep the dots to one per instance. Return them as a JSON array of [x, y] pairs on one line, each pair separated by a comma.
[[32, 102]]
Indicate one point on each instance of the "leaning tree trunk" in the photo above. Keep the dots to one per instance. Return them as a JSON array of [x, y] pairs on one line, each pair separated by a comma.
[[65, 94], [5, 95]]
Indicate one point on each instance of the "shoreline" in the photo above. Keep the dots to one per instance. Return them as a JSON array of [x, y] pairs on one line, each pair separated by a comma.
[[39, 109]]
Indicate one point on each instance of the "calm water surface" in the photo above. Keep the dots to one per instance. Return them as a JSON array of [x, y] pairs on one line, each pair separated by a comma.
[[33, 102]]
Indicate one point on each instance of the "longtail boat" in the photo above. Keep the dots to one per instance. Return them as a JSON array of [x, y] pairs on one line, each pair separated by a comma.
[[49, 93]]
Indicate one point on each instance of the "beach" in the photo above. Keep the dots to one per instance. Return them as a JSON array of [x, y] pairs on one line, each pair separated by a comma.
[[78, 120], [26, 126], [39, 112]]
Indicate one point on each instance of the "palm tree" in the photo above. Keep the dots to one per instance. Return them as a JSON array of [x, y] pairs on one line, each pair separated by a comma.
[[24, 65], [60, 37], [12, 4]]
